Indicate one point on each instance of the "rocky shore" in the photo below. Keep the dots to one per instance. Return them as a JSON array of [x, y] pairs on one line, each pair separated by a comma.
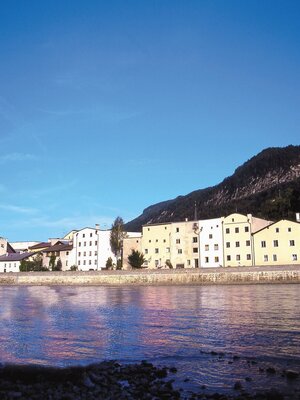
[[110, 380]]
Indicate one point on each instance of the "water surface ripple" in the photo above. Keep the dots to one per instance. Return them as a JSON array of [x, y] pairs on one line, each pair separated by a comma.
[[173, 325]]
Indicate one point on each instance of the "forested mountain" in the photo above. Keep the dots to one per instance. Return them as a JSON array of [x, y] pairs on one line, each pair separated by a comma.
[[267, 186]]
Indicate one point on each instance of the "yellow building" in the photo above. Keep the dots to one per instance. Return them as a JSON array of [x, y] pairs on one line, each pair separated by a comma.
[[156, 244], [278, 244], [175, 243], [237, 238]]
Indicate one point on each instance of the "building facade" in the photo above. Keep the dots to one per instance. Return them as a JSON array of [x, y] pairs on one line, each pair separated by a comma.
[[277, 244], [211, 243]]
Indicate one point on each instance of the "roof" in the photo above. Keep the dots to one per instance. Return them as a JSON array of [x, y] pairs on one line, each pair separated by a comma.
[[41, 245], [9, 248], [16, 256], [274, 223], [59, 247]]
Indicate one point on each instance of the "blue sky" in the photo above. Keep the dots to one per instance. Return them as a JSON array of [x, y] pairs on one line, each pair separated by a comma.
[[107, 107]]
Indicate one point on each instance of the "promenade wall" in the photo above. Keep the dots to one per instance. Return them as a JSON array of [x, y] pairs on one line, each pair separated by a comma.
[[249, 275]]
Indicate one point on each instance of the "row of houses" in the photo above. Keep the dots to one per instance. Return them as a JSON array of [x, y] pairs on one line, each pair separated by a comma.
[[235, 240], [85, 249]]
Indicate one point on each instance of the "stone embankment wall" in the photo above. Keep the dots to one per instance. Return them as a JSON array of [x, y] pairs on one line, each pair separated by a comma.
[[251, 275]]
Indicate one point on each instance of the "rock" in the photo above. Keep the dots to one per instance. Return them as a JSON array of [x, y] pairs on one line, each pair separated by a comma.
[[291, 374], [87, 382], [173, 370], [14, 395], [273, 394], [235, 358], [237, 385], [271, 370], [248, 379]]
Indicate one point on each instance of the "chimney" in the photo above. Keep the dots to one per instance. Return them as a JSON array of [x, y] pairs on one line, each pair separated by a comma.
[[97, 226], [298, 217]]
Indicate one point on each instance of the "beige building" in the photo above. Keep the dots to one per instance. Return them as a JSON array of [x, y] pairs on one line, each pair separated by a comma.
[[237, 238], [62, 251], [277, 244], [129, 244]]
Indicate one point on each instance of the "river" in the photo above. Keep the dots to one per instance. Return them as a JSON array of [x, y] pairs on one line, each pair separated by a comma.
[[214, 335]]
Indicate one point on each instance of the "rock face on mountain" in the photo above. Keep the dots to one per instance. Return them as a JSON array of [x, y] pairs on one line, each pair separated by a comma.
[[267, 185]]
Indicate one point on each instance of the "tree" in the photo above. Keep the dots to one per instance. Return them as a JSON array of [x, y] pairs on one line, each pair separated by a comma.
[[169, 264], [136, 259], [73, 268], [117, 235], [109, 263], [58, 266], [38, 262], [52, 262]]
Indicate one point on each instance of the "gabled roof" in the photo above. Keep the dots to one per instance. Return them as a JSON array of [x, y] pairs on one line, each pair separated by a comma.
[[10, 249], [277, 222], [58, 247], [16, 256], [41, 245]]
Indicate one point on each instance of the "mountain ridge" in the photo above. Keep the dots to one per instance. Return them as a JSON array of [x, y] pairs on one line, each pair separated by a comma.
[[267, 185]]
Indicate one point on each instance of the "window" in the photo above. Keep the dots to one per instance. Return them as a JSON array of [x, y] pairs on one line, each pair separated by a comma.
[[90, 262], [238, 257], [228, 258], [177, 229], [156, 251], [150, 241], [188, 262], [84, 253], [216, 259], [164, 240], [79, 254], [79, 262], [195, 239], [274, 257], [277, 230], [96, 243], [237, 244], [294, 257], [79, 244], [210, 236], [91, 234], [148, 229], [156, 240], [66, 263], [179, 251], [248, 256], [206, 247], [146, 251], [266, 258], [84, 243], [292, 242], [96, 253], [246, 228], [263, 243], [206, 260], [247, 242], [165, 228], [196, 263], [67, 253], [177, 241], [83, 262], [90, 243], [275, 243], [90, 253], [95, 262], [227, 245], [156, 263], [167, 249], [289, 229], [227, 230], [236, 230], [83, 235], [195, 249], [216, 246]]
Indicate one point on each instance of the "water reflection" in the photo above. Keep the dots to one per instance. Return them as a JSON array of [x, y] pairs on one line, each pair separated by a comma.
[[180, 324]]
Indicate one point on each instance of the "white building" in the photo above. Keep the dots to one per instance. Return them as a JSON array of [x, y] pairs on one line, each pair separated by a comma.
[[11, 262], [211, 243], [92, 249]]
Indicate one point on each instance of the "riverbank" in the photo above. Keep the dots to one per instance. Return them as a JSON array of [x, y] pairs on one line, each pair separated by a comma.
[[202, 276], [111, 380]]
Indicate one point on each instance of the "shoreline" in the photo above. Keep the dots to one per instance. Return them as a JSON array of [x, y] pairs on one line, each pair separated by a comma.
[[112, 380], [199, 276]]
